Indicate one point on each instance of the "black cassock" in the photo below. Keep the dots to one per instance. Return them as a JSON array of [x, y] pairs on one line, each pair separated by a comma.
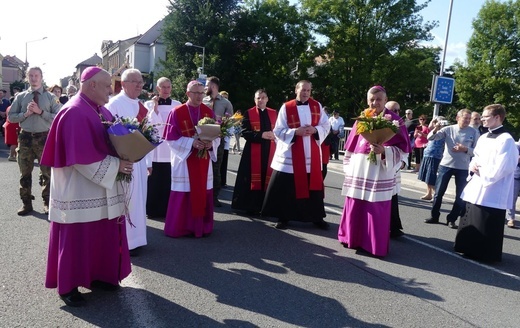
[[159, 184], [244, 198], [481, 233]]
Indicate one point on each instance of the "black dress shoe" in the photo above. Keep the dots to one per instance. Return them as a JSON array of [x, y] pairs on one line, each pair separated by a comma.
[[73, 298], [345, 245], [25, 209], [106, 286], [452, 225], [282, 225], [396, 233], [322, 225], [431, 220]]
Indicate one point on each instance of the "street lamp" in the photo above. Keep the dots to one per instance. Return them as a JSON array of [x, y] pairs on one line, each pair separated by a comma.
[[189, 44], [30, 42]]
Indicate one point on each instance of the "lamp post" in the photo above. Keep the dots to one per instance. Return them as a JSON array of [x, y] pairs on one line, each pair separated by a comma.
[[189, 44], [26, 63], [436, 108]]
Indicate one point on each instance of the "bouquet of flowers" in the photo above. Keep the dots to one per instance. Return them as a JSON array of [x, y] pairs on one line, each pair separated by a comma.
[[375, 128], [132, 140], [229, 123], [207, 130]]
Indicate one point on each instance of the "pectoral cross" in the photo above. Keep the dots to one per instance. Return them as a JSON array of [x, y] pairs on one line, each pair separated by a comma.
[[294, 122], [187, 131]]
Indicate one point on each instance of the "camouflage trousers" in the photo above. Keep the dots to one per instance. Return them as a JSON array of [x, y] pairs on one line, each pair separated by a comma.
[[30, 147]]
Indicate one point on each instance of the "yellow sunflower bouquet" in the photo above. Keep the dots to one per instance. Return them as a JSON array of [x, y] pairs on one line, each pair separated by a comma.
[[375, 128]]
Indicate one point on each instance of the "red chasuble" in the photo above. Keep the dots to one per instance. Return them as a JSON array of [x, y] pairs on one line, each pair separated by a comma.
[[142, 112], [301, 182], [197, 167], [256, 149]]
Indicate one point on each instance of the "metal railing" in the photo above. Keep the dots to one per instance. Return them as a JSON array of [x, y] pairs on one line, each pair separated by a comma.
[[342, 140]]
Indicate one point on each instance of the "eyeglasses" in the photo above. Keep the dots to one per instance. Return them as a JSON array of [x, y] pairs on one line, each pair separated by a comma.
[[197, 93], [135, 82]]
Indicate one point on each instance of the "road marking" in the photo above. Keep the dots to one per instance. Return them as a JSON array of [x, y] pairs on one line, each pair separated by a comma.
[[463, 258], [333, 210], [453, 254]]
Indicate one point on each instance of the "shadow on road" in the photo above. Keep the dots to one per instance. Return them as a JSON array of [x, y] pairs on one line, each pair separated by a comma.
[[251, 266]]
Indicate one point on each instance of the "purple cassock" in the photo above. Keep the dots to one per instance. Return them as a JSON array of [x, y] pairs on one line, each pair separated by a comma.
[[82, 252], [366, 223]]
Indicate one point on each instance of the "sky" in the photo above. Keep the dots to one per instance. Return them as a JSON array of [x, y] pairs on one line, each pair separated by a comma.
[[75, 32], [462, 15]]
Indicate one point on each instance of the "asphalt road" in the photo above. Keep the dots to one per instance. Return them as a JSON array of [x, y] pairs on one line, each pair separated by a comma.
[[248, 274]]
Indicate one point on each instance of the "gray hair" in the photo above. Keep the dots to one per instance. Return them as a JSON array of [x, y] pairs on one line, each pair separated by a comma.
[[463, 111], [163, 79], [71, 88], [129, 71]]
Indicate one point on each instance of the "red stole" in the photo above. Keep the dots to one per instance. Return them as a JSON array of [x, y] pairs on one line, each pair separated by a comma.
[[197, 167], [301, 182], [256, 149], [142, 112]]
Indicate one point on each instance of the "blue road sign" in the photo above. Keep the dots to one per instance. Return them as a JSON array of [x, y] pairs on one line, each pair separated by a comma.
[[443, 88], [202, 78]]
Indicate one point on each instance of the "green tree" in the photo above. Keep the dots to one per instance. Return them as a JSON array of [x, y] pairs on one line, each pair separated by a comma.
[[343, 47], [249, 44], [268, 42], [201, 22], [492, 72], [368, 42]]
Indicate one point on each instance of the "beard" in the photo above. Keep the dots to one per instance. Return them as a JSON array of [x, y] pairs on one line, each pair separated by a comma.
[[209, 92]]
